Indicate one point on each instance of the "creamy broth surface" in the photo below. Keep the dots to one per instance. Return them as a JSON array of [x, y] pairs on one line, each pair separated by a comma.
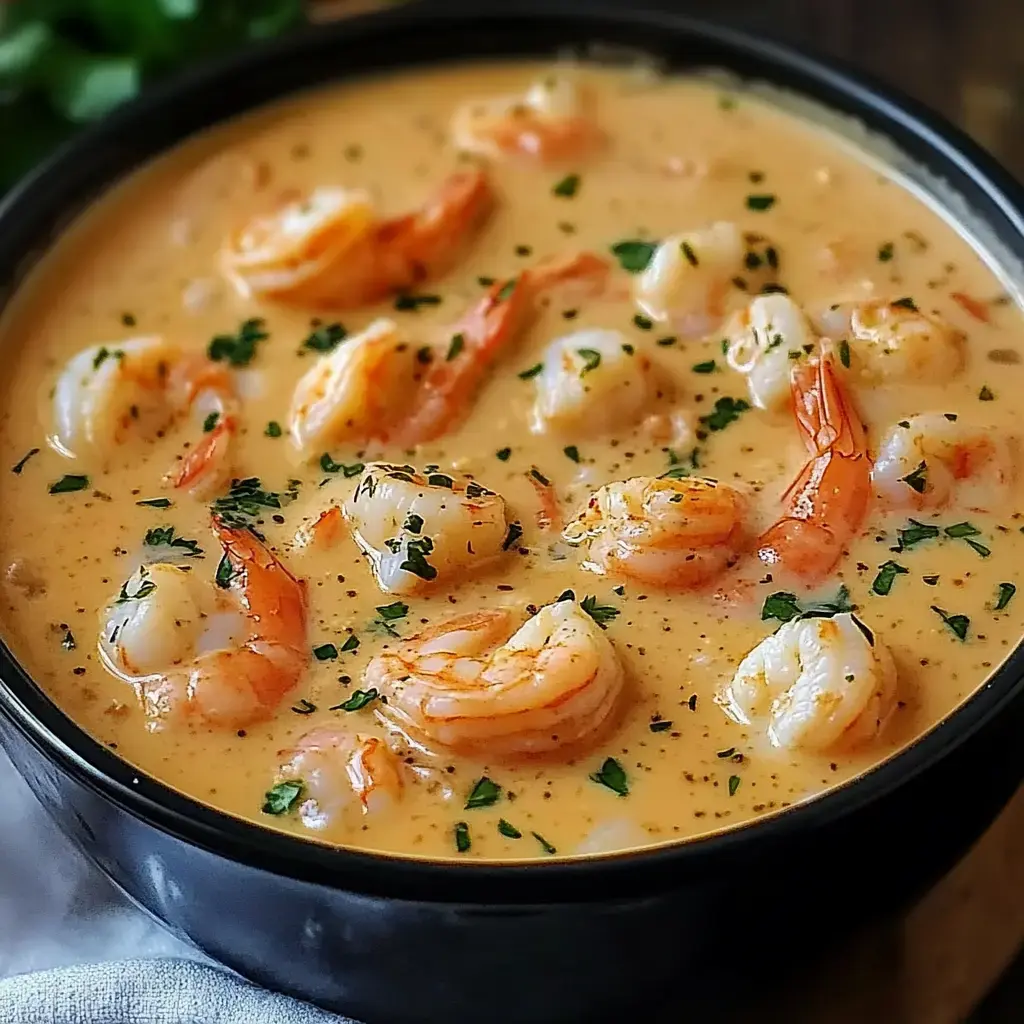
[[679, 155]]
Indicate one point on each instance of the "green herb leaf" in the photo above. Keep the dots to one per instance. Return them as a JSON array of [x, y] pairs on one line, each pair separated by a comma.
[[245, 501], [409, 303], [734, 784], [359, 700], [280, 799], [326, 338], [782, 606], [915, 533], [462, 840], [21, 463], [612, 775], [567, 187], [455, 346], [571, 452], [544, 844], [225, 572], [155, 502], [602, 614], [691, 257], [918, 479], [503, 454], [273, 429], [415, 559], [414, 523], [164, 536], [760, 203], [633, 254], [844, 351], [350, 644], [515, 531], [328, 465], [591, 357], [507, 289], [906, 303], [1006, 592], [660, 726], [706, 367], [144, 589], [727, 410], [885, 252], [68, 483], [959, 624], [643, 322], [986, 394], [238, 349], [395, 610], [509, 831], [325, 652], [210, 422], [887, 573], [531, 372], [484, 793]]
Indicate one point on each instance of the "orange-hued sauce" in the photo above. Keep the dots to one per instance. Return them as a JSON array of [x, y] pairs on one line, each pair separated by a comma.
[[676, 155]]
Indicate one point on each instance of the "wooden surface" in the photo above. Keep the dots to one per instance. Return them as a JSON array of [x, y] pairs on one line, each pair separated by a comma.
[[964, 58]]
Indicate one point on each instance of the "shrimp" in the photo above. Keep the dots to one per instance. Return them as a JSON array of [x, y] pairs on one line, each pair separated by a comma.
[[340, 771], [764, 340], [932, 460], [549, 123], [819, 684], [154, 632], [594, 377], [895, 341], [690, 276], [676, 534], [827, 503], [471, 684], [331, 249], [382, 386], [107, 396], [419, 529]]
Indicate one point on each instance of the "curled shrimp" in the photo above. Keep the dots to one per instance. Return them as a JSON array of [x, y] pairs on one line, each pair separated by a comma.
[[474, 684], [827, 503], [592, 377], [155, 631], [820, 684], [330, 249], [895, 341], [550, 122], [381, 386], [690, 277], [933, 460], [419, 529], [764, 340], [676, 534], [108, 395], [339, 771]]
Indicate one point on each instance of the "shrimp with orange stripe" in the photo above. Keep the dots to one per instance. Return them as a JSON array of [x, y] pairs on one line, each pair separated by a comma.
[[381, 385], [332, 249], [108, 396]]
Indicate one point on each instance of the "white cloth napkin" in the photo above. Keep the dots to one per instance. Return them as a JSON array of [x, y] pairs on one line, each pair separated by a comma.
[[65, 931]]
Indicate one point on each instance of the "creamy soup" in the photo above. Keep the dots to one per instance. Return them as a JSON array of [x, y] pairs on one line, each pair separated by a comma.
[[413, 466]]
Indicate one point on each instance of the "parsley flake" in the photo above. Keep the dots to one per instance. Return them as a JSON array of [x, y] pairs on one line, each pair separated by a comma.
[[544, 844], [484, 793], [281, 798], [359, 700], [887, 573], [1006, 592], [760, 203], [602, 614], [567, 187], [21, 463], [325, 338], [68, 483], [591, 357], [633, 254], [238, 349], [612, 775], [958, 624], [462, 840], [727, 410], [509, 831]]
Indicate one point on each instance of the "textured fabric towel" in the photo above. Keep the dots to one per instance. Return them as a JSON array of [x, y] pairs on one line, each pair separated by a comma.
[[148, 992]]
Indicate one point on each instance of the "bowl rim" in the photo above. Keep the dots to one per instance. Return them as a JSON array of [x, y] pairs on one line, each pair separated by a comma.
[[36, 207]]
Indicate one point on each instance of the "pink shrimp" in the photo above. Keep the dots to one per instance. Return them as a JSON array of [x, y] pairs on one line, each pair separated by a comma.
[[152, 634], [828, 501], [331, 250]]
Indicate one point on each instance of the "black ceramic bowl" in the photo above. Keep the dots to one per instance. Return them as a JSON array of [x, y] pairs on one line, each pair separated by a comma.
[[393, 940]]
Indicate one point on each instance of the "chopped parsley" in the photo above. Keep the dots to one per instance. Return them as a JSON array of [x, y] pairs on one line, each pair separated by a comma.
[[760, 203], [273, 429], [539, 477], [68, 483], [660, 726], [727, 410], [21, 463], [325, 338], [416, 561], [643, 322], [612, 775], [515, 531], [691, 257], [406, 303], [462, 840], [350, 644], [484, 793], [503, 454], [918, 479], [359, 700], [238, 349], [210, 422], [785, 606], [602, 614], [591, 358], [328, 465], [906, 303], [666, 342], [531, 372], [887, 573], [455, 346], [1006, 592], [155, 502], [782, 606], [244, 502], [959, 624], [709, 366], [325, 652], [163, 536], [225, 572], [734, 784], [964, 531], [571, 452], [104, 354], [395, 610], [567, 187], [844, 351], [885, 252], [144, 589], [633, 254], [414, 523], [544, 844], [509, 831], [280, 799], [913, 534], [507, 289]]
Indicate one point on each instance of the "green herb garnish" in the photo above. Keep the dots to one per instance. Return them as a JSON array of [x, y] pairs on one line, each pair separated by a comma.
[[273, 429], [325, 652], [571, 452], [612, 775], [734, 784], [155, 502], [914, 534], [350, 644], [567, 187], [281, 798], [484, 793], [462, 840], [359, 700], [544, 844], [509, 831], [918, 479], [531, 372], [395, 610], [633, 254], [602, 614], [887, 573], [326, 338], [709, 366], [1006, 592], [406, 303], [591, 357], [238, 349], [760, 203], [21, 463], [68, 483], [959, 624], [727, 410], [163, 536], [455, 346]]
